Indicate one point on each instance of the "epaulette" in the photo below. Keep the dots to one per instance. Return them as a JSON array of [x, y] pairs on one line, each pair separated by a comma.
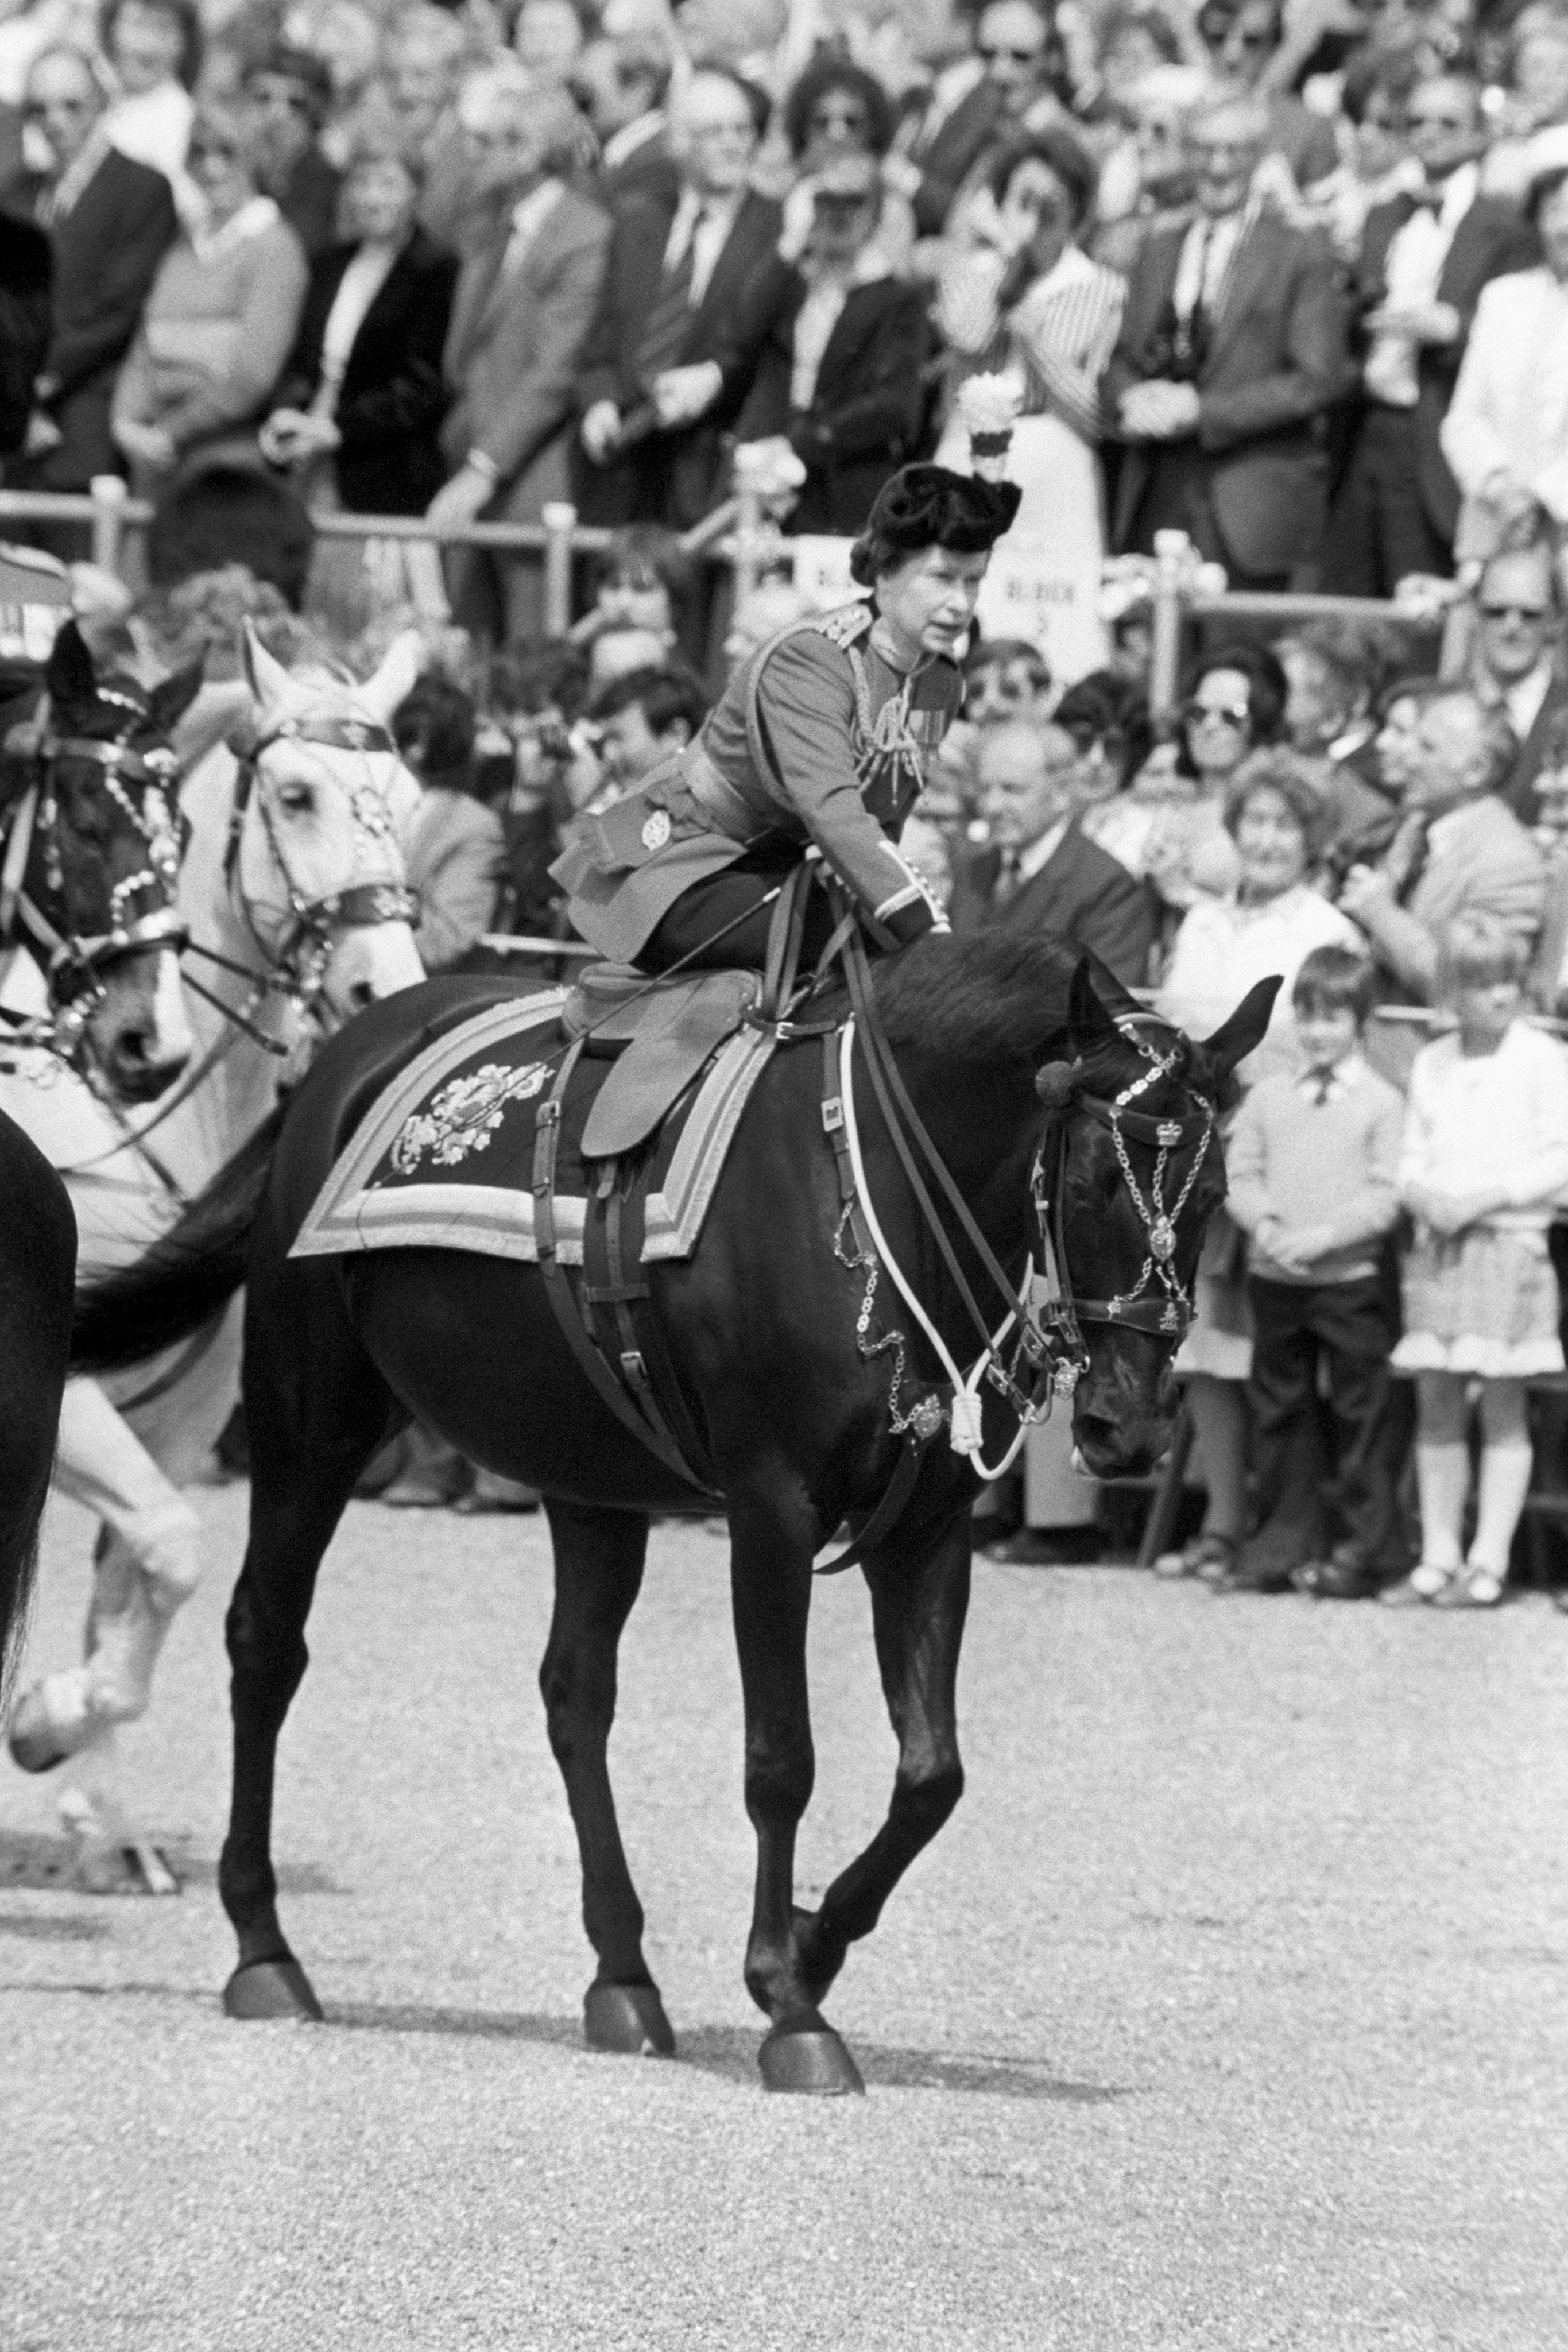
[[845, 626]]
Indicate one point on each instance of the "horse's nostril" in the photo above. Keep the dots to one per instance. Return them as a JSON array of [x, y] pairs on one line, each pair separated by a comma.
[[133, 1043], [361, 994]]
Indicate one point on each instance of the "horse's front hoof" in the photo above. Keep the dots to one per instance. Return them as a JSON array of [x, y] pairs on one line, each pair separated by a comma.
[[629, 2019], [37, 1739], [271, 1988], [810, 2059]]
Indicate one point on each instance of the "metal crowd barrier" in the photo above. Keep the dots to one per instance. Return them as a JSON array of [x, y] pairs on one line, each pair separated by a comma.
[[1176, 605], [733, 534]]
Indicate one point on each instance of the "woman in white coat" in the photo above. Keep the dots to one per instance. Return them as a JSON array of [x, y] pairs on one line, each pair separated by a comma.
[[1506, 433]]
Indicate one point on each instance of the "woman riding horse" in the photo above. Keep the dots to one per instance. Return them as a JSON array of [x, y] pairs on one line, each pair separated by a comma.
[[818, 742]]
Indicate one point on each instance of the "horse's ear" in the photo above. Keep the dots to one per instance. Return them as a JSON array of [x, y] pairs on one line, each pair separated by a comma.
[[69, 676], [264, 673], [172, 697], [396, 678], [1087, 1018], [1236, 1039]]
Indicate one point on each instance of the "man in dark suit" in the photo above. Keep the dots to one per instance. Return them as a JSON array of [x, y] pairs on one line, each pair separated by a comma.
[[842, 367], [526, 296], [1424, 261], [290, 94], [622, 81], [1018, 53], [109, 222], [1232, 351], [27, 317], [665, 372], [1519, 662], [1041, 872]]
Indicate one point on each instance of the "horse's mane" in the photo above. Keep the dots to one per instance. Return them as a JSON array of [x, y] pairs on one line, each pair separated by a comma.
[[994, 996]]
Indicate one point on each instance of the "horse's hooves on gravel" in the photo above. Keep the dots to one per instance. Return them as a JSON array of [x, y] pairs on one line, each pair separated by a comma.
[[627, 2018], [271, 1988], [34, 1742], [811, 2059]]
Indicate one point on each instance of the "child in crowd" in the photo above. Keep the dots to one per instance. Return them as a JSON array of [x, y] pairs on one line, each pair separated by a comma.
[[1485, 1156], [1313, 1166]]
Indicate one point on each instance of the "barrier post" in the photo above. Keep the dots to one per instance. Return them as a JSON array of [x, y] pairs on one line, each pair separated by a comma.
[[560, 522], [748, 540], [109, 495], [1173, 556]]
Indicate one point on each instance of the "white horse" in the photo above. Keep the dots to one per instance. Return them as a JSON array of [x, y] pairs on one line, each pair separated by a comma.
[[294, 891]]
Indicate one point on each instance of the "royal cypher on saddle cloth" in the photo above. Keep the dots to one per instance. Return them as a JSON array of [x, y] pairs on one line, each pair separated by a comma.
[[819, 740]]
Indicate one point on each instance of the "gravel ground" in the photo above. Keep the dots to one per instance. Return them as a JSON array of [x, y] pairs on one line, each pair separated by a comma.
[[1227, 2013]]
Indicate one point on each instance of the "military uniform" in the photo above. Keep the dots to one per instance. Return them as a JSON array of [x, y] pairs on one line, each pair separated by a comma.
[[819, 740]]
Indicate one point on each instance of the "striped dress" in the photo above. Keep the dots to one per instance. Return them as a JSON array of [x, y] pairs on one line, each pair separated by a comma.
[[1056, 342]]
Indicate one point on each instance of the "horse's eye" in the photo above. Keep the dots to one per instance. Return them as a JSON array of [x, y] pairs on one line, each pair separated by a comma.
[[298, 799]]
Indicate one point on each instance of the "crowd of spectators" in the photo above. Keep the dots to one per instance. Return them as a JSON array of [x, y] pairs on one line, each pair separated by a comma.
[[1291, 278]]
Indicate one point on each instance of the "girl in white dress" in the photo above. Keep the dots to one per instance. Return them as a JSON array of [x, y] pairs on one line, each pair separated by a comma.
[[1485, 1158]]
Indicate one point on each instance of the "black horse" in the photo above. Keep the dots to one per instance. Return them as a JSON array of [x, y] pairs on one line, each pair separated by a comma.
[[791, 1403], [37, 1278], [92, 844]]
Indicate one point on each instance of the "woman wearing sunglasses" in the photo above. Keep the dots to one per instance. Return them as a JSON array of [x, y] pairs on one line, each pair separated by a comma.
[[1235, 702]]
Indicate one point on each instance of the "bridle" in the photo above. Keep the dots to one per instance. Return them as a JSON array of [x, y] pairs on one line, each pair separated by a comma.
[[298, 960], [1157, 1302], [76, 961]]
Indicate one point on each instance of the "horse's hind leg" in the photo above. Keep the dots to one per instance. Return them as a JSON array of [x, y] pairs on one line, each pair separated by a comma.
[[598, 1557], [918, 1606], [315, 1407]]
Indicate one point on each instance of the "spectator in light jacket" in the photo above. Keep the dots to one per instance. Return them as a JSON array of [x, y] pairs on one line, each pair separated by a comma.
[[219, 321], [526, 301]]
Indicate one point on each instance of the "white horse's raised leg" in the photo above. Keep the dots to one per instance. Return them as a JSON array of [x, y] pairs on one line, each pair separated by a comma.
[[148, 1565]]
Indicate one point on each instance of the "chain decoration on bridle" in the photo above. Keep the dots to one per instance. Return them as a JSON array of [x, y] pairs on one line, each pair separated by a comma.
[[302, 955], [1157, 1301], [76, 960]]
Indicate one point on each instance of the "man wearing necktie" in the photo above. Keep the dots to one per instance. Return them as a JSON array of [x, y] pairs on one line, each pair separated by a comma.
[[1425, 257], [664, 371], [109, 222], [1042, 873], [1231, 354], [1459, 850], [525, 302]]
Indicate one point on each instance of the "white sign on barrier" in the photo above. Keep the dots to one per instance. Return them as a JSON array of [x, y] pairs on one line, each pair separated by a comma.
[[822, 569], [1050, 599]]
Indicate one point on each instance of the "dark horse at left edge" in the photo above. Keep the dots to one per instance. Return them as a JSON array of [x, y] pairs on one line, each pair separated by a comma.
[[1063, 1113]]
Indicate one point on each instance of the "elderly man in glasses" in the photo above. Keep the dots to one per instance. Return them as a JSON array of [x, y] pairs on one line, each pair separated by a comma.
[[664, 374], [1519, 664], [1232, 351], [1424, 257], [1459, 850], [109, 222]]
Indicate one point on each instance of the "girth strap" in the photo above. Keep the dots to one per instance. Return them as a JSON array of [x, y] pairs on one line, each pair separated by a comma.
[[558, 1288]]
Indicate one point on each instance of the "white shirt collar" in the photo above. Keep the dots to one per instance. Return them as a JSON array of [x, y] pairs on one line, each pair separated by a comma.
[[531, 212], [253, 219], [1342, 1079], [629, 137], [1525, 700], [1043, 849]]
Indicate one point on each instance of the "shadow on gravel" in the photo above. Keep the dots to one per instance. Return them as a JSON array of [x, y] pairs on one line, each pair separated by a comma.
[[45, 1864], [65, 1929], [730, 2053]]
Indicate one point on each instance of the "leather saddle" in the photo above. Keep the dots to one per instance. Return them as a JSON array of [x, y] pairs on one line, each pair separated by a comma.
[[659, 1034]]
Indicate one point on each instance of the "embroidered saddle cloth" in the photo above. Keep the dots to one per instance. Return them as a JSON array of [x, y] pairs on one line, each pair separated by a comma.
[[444, 1159]]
